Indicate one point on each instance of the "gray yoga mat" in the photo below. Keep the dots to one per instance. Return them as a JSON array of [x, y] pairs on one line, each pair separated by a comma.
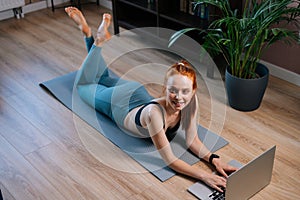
[[141, 150]]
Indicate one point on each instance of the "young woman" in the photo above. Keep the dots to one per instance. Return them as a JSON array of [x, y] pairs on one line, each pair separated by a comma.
[[130, 106]]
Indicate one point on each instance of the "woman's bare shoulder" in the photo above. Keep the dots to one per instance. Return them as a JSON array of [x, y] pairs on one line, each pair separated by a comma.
[[153, 110], [152, 115]]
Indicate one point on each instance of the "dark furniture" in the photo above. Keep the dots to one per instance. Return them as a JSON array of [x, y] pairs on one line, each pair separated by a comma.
[[159, 13], [153, 13], [168, 14]]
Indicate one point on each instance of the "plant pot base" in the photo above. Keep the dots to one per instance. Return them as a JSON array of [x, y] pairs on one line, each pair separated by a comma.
[[246, 94]]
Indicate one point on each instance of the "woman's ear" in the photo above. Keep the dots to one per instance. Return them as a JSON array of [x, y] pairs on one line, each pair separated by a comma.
[[164, 91], [194, 91]]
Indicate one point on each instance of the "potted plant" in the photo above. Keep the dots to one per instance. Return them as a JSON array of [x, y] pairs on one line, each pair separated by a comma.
[[241, 36]]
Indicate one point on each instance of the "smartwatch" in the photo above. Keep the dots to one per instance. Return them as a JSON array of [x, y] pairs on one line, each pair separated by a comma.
[[211, 157]]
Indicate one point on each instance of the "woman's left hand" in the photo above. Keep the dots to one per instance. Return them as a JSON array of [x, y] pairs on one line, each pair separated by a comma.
[[223, 168]]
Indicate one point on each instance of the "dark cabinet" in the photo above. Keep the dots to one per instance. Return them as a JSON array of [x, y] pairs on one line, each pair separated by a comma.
[[171, 14], [150, 13]]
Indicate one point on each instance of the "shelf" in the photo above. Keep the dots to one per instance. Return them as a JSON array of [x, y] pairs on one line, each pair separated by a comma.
[[186, 20], [131, 24], [141, 4], [132, 14], [162, 13]]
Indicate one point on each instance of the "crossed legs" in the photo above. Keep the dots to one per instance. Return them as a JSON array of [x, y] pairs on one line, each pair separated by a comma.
[[102, 33], [112, 96], [79, 19]]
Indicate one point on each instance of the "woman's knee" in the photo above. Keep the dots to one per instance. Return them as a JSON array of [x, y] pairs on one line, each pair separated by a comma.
[[87, 93]]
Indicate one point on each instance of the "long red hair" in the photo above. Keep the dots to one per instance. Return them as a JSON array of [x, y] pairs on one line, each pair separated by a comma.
[[184, 68]]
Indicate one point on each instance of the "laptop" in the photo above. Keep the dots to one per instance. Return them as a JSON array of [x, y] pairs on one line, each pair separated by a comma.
[[243, 183]]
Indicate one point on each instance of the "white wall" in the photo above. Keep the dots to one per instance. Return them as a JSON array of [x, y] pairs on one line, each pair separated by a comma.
[[274, 70], [44, 4]]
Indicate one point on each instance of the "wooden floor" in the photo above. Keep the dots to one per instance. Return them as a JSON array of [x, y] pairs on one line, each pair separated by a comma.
[[43, 156]]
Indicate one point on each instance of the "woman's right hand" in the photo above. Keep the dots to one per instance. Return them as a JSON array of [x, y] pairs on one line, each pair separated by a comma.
[[214, 181]]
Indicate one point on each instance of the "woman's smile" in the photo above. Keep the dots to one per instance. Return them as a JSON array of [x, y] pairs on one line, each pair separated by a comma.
[[179, 91], [178, 103]]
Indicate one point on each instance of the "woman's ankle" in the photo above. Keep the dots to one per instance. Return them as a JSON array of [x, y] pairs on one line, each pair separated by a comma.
[[86, 30]]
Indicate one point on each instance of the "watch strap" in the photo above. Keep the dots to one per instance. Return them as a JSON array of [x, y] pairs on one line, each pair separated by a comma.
[[211, 157]]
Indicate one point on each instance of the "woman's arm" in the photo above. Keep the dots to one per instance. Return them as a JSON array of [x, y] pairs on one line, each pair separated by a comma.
[[163, 146], [199, 149], [153, 119], [192, 139]]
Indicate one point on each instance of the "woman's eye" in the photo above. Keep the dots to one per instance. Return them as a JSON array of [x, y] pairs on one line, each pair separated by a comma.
[[171, 90], [185, 91]]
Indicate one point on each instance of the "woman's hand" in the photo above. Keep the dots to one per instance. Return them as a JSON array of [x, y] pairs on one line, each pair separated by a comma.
[[214, 181], [219, 181], [223, 168]]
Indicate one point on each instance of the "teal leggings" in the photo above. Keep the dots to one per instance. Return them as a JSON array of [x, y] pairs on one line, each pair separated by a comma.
[[108, 94]]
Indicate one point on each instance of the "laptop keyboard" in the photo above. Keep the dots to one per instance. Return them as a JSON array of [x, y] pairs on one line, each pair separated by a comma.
[[216, 195]]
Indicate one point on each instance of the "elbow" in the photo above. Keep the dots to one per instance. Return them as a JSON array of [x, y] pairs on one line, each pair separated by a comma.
[[175, 166], [190, 142], [170, 161]]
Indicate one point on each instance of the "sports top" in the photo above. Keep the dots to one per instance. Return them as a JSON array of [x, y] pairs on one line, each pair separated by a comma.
[[170, 132]]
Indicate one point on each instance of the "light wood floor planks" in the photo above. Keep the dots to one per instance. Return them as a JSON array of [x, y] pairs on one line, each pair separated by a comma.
[[42, 155]]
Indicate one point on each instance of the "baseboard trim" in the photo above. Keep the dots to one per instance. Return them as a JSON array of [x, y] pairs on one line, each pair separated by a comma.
[[34, 7], [6, 14], [26, 9], [282, 73]]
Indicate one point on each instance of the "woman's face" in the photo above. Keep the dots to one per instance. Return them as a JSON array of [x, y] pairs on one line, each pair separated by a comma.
[[179, 91]]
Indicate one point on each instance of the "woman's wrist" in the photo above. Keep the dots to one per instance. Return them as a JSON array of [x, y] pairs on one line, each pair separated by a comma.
[[212, 157], [202, 174]]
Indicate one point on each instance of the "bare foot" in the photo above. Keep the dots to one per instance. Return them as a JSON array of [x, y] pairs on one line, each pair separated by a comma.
[[79, 19], [102, 33]]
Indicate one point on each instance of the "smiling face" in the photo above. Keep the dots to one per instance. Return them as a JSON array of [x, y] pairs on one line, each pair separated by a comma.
[[179, 91], [180, 85]]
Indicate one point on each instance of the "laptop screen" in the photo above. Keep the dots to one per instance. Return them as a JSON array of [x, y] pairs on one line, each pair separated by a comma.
[[245, 182], [252, 177]]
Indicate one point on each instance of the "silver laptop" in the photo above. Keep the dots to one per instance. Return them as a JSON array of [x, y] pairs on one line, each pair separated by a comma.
[[243, 183]]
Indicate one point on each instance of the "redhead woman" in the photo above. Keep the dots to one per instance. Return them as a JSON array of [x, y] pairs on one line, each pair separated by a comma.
[[139, 113]]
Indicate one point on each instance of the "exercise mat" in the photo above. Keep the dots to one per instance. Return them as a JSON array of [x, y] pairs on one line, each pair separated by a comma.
[[141, 150]]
